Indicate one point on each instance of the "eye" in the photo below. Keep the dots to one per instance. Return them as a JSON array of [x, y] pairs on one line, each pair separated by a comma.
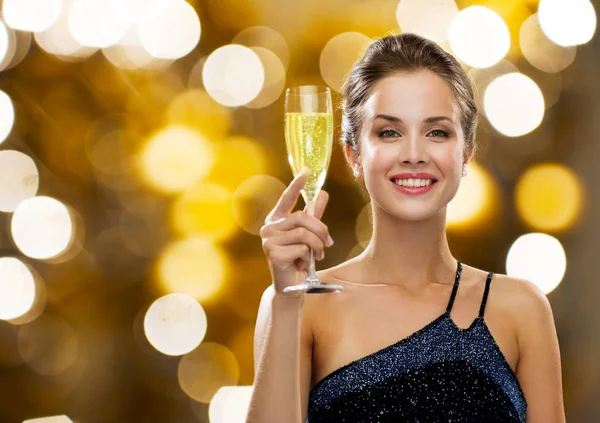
[[387, 131], [439, 133]]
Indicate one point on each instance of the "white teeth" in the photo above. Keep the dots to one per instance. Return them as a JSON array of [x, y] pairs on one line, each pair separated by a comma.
[[413, 183]]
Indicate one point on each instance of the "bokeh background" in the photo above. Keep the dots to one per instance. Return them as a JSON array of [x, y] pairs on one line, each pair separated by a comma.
[[141, 148]]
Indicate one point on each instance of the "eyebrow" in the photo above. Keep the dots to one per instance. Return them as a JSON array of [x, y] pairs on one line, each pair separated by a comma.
[[395, 119]]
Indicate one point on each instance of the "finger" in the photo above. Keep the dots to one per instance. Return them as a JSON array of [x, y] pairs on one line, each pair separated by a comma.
[[302, 220], [300, 236], [289, 198], [321, 203]]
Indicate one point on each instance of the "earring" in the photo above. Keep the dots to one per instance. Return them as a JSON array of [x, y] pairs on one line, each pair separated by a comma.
[[464, 171], [356, 171]]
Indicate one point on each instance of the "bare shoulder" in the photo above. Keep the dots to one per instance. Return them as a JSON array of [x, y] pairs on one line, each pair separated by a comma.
[[527, 304]]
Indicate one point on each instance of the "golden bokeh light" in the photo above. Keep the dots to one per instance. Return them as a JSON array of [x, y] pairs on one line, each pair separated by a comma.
[[204, 210], [274, 79], [193, 266], [19, 44], [238, 344], [196, 109], [233, 75], [549, 197], [238, 158], [364, 226], [230, 404], [59, 40], [7, 116], [129, 53], [472, 200], [48, 345], [482, 77], [39, 302], [169, 30], [175, 324], [31, 15], [17, 288], [42, 227], [254, 199], [19, 179], [4, 41], [51, 419], [207, 369], [514, 104], [263, 36], [338, 56], [479, 37], [567, 23], [538, 258], [540, 51], [98, 23], [428, 18], [175, 158]]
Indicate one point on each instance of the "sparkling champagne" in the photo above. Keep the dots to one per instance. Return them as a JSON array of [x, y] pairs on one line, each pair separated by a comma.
[[309, 138]]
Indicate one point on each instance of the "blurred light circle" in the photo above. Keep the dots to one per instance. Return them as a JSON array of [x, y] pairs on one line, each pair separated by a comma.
[[237, 158], [98, 23], [52, 419], [129, 53], [48, 345], [514, 104], [263, 36], [17, 288], [169, 29], [482, 77], [42, 227], [540, 51], [4, 41], [205, 370], [175, 324], [59, 40], [233, 75], [193, 266], [230, 404], [274, 79], [549, 197], [539, 258], [364, 225], [196, 109], [472, 198], [7, 116], [175, 158], [479, 37], [254, 199], [19, 44], [339, 55], [31, 15], [567, 22], [428, 18], [19, 179], [204, 210]]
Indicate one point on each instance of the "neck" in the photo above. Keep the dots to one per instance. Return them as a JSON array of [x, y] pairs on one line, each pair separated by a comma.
[[413, 255]]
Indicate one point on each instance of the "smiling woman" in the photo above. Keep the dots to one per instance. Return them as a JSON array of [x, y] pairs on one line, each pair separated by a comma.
[[383, 350]]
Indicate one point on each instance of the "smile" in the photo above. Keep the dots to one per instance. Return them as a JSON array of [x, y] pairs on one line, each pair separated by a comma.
[[424, 185]]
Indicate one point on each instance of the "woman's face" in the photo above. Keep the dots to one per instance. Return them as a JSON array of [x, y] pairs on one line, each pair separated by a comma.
[[411, 124]]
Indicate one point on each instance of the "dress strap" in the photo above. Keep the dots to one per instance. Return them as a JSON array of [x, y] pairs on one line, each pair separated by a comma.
[[485, 293], [455, 288]]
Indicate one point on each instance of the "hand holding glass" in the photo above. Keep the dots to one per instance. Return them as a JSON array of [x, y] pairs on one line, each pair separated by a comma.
[[309, 139]]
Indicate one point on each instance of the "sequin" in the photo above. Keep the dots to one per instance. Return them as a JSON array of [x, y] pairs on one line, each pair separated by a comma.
[[440, 373]]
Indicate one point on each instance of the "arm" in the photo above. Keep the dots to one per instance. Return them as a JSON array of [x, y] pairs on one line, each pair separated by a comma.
[[282, 348], [539, 369]]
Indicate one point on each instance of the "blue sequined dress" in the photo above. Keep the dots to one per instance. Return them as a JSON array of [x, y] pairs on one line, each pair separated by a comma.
[[441, 373]]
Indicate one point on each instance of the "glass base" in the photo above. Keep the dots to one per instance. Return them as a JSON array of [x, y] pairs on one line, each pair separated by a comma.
[[316, 287]]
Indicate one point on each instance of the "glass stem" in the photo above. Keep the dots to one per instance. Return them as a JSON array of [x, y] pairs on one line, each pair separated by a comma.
[[312, 276]]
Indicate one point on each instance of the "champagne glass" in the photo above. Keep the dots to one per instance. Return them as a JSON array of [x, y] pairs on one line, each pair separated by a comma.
[[309, 139]]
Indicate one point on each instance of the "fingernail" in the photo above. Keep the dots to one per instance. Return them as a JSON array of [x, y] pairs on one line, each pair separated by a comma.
[[329, 241], [322, 255]]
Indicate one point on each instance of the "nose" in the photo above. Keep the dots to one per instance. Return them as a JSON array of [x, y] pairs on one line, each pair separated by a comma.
[[413, 150]]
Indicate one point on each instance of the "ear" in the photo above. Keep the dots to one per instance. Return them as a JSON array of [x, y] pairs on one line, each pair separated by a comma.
[[351, 156]]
